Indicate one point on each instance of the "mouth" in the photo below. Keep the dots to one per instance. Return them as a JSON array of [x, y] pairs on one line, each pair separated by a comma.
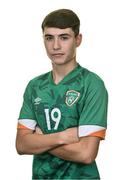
[[57, 54]]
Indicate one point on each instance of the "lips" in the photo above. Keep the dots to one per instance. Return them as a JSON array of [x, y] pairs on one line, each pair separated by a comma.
[[57, 54]]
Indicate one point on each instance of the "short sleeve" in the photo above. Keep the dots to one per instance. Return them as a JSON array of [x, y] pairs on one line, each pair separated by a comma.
[[93, 118], [27, 117]]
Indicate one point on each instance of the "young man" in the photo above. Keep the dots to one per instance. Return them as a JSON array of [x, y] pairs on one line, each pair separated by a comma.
[[63, 117]]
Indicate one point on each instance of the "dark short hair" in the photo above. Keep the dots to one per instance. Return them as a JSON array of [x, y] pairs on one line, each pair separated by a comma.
[[62, 18]]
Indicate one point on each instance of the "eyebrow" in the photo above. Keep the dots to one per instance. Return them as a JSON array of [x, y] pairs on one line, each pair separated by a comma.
[[64, 34]]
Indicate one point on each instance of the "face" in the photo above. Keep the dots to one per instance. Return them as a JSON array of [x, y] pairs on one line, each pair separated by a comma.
[[61, 45]]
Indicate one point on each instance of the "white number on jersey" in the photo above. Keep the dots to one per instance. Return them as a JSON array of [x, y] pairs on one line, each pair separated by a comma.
[[51, 114]]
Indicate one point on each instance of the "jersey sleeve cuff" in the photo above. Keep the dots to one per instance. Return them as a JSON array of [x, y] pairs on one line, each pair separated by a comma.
[[26, 124], [92, 130]]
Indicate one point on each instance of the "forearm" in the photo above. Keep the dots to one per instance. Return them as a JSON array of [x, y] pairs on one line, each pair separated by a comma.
[[84, 151], [28, 142], [68, 152], [36, 143]]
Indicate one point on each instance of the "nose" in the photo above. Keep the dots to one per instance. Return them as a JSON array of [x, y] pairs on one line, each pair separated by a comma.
[[56, 44]]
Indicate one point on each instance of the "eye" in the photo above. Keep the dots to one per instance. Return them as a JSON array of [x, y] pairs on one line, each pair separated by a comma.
[[48, 38], [64, 38]]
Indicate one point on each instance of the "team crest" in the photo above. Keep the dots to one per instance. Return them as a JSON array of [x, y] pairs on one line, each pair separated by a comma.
[[71, 97]]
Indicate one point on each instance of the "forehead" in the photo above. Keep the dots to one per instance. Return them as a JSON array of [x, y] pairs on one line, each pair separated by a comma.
[[57, 31]]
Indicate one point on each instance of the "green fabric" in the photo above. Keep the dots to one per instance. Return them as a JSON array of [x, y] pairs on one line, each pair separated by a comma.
[[79, 99]]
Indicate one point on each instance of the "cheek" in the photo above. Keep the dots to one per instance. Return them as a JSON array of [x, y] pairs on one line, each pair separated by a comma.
[[71, 49], [47, 47]]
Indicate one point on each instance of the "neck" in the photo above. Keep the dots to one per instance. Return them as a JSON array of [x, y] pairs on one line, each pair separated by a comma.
[[60, 71]]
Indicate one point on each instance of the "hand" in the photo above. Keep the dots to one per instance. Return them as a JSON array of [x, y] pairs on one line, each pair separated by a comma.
[[67, 136], [70, 135], [38, 130]]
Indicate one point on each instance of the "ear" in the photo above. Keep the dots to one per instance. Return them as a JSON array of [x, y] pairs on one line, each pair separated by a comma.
[[78, 40]]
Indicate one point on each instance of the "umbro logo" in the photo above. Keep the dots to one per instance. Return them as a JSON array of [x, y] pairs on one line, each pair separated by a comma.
[[37, 100]]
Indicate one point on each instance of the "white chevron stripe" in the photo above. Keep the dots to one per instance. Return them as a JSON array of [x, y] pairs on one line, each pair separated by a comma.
[[29, 123], [85, 130]]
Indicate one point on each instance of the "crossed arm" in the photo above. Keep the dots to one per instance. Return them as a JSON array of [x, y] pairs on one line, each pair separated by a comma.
[[84, 151], [65, 145]]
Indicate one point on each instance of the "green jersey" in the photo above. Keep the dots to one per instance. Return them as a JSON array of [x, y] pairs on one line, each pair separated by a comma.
[[79, 100]]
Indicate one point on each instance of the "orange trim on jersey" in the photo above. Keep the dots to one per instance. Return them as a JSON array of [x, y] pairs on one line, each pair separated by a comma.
[[20, 126], [100, 133]]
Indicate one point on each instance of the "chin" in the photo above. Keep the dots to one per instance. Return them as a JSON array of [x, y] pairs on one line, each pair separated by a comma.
[[58, 62]]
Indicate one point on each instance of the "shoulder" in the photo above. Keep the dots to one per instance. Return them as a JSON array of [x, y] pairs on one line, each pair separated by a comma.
[[39, 79], [94, 87], [92, 81]]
